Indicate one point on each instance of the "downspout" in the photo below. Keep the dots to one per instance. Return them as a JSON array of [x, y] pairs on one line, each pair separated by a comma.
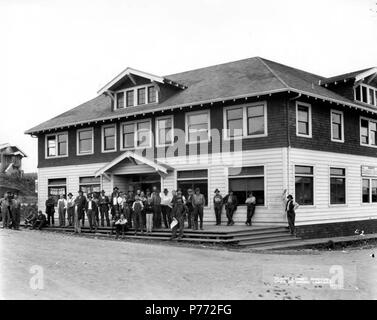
[[288, 100]]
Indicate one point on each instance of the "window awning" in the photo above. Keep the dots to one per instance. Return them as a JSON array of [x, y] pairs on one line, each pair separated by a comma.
[[159, 167]]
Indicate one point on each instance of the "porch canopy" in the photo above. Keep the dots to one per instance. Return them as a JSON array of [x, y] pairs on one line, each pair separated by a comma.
[[136, 159]]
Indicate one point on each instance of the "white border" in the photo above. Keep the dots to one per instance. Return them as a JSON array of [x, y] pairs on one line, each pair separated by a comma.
[[114, 125], [308, 105], [77, 142], [157, 135], [56, 143], [244, 120], [121, 148], [342, 124], [187, 114]]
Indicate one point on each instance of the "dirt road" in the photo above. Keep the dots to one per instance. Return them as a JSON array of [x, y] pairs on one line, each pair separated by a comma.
[[44, 265]]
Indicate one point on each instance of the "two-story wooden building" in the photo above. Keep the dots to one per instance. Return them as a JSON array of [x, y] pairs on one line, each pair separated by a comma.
[[249, 125]]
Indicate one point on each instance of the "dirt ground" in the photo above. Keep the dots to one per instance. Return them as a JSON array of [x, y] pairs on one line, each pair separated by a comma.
[[46, 265]]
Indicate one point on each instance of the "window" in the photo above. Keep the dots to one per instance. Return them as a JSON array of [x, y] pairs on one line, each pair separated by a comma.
[[130, 98], [366, 94], [246, 121], [368, 132], [152, 94], [193, 179], [90, 185], [120, 100], [243, 180], [369, 193], [337, 186], [304, 185], [197, 126], [164, 131], [85, 141], [109, 138], [141, 96], [57, 145], [56, 188], [136, 134], [303, 119], [337, 126]]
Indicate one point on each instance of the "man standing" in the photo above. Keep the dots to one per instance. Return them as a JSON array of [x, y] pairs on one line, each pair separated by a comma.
[[250, 202], [104, 208], [166, 207], [230, 206], [80, 202], [62, 207], [16, 216], [50, 210], [218, 204], [198, 202], [156, 204], [70, 209], [6, 209], [178, 213], [290, 209], [114, 202], [91, 209], [190, 209]]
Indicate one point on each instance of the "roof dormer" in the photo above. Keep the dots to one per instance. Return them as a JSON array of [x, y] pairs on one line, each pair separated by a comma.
[[134, 88]]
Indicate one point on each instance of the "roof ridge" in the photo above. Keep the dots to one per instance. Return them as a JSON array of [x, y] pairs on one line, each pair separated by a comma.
[[273, 72]]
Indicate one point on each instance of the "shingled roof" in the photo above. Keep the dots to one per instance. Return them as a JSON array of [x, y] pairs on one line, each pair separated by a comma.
[[238, 79]]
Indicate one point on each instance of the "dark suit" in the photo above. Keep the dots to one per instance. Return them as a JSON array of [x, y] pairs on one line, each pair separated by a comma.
[[91, 213], [50, 211], [230, 207], [104, 203], [80, 202]]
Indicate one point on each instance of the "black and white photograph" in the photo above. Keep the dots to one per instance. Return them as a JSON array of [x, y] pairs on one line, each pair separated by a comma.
[[204, 152]]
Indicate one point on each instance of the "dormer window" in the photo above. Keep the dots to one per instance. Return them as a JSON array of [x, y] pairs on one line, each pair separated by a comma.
[[136, 96], [141, 96], [152, 98], [130, 98], [366, 94], [120, 100]]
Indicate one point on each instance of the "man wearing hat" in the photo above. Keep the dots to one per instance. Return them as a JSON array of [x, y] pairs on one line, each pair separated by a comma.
[[91, 209], [218, 205], [166, 207], [104, 205], [80, 202], [7, 206], [290, 209], [114, 201], [70, 209]]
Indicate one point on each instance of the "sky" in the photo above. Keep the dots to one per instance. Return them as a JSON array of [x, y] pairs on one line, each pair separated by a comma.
[[56, 54]]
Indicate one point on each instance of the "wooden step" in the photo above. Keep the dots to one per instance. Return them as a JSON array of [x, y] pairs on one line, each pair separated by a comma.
[[252, 243]]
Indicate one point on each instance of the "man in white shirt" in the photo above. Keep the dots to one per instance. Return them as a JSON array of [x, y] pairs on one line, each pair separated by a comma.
[[166, 206], [91, 209]]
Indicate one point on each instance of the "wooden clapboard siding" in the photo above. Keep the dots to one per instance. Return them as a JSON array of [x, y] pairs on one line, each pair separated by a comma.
[[322, 211]]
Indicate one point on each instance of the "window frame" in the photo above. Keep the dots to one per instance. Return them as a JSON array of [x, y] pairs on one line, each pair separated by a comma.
[[57, 185], [208, 205], [103, 138], [135, 96], [78, 144], [341, 113], [369, 132], [244, 108], [56, 145], [264, 176], [305, 175], [367, 87], [345, 185], [187, 114], [89, 184], [116, 100], [134, 123], [157, 135], [309, 106]]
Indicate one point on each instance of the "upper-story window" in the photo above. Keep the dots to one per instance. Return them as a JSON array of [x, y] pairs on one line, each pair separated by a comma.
[[120, 100], [108, 143], [57, 145], [197, 126], [246, 120], [366, 94], [141, 96], [152, 97], [303, 119], [130, 98], [368, 132], [85, 143], [164, 131], [337, 126], [136, 96], [136, 134]]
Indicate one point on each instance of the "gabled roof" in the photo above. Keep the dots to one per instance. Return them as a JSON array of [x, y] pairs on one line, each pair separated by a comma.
[[239, 79], [357, 75], [130, 71], [8, 149], [159, 167]]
